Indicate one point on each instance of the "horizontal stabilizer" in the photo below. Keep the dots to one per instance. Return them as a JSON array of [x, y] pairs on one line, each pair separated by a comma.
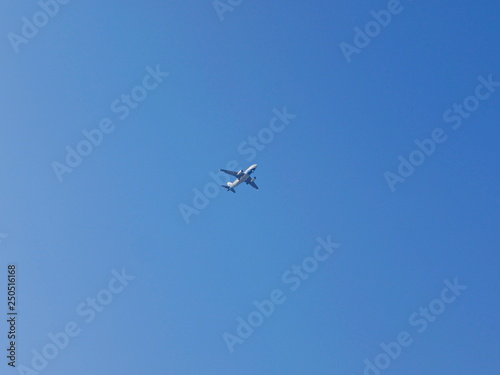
[[228, 188]]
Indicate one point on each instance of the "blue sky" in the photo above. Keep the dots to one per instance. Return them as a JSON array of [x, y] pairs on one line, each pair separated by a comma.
[[118, 212]]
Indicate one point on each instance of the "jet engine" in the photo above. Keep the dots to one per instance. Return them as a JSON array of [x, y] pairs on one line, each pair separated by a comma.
[[240, 172]]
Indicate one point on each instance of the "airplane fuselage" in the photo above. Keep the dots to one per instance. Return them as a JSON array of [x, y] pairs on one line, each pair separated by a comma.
[[243, 177]]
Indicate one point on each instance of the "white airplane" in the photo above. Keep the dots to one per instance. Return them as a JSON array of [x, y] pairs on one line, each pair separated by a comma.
[[240, 178]]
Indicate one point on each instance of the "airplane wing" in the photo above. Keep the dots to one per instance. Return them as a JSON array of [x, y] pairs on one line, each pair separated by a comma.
[[254, 185], [235, 174]]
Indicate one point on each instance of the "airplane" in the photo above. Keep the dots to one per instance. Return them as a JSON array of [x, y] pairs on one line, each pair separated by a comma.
[[240, 178]]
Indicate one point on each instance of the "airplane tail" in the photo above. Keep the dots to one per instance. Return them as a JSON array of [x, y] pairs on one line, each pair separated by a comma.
[[229, 188]]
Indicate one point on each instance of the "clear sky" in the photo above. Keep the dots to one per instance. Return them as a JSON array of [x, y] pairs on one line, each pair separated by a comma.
[[379, 140]]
